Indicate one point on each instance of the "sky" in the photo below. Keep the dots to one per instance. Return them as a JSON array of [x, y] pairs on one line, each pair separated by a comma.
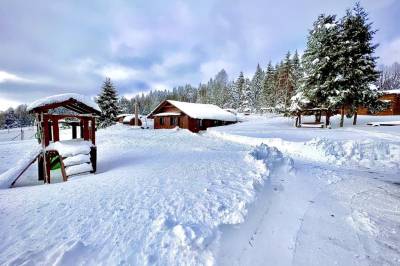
[[51, 47]]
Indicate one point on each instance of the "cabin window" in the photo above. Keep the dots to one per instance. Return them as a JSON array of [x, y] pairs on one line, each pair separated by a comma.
[[174, 121], [200, 123], [161, 120]]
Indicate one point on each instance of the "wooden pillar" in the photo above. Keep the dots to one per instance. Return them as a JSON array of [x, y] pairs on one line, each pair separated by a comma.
[[93, 158], [81, 127], [74, 135], [93, 130], [46, 130], [85, 129], [47, 167], [41, 175], [56, 131]]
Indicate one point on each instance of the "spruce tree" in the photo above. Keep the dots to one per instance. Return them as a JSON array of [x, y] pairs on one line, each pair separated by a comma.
[[357, 62], [268, 95], [108, 103], [256, 89], [320, 86]]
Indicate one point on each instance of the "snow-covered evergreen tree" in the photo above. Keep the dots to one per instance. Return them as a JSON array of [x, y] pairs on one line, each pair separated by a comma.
[[108, 103], [125, 106], [320, 86], [269, 95], [246, 97], [357, 61], [11, 120], [256, 89]]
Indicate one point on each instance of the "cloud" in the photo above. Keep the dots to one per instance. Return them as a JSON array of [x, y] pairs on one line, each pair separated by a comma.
[[10, 77], [118, 72], [389, 52]]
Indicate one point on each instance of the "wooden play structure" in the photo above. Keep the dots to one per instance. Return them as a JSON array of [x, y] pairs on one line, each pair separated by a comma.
[[72, 156]]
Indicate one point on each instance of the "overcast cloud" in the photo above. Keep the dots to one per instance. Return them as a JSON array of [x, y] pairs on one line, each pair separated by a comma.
[[51, 47]]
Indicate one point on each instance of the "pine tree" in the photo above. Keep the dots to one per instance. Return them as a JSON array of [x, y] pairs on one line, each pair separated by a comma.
[[256, 89], [297, 71], [320, 86], [357, 62], [245, 99], [269, 95], [11, 120], [108, 103], [125, 106]]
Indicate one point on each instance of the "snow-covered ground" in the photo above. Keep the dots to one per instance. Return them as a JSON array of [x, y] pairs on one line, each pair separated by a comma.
[[259, 192]]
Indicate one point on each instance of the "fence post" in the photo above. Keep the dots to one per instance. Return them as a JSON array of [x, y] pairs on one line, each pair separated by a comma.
[[22, 134]]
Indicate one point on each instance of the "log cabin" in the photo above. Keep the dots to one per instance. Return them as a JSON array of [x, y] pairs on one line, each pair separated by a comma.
[[191, 116], [392, 97], [129, 119]]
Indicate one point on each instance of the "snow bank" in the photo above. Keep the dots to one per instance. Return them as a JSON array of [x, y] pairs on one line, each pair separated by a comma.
[[62, 98], [272, 158], [10, 175], [363, 153]]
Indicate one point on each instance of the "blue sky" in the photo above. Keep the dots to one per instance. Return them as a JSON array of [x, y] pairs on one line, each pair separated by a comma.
[[51, 47]]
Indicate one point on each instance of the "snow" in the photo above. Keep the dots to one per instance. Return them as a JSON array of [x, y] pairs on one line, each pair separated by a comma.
[[71, 147], [329, 25], [204, 111], [11, 174], [78, 169], [61, 98], [386, 123], [168, 114], [396, 91], [128, 118], [77, 159], [251, 193]]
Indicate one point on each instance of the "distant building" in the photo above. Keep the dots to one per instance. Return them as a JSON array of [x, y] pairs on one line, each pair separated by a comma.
[[129, 119], [192, 116], [393, 98]]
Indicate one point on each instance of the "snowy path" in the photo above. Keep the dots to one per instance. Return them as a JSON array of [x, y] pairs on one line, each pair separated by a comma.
[[323, 213]]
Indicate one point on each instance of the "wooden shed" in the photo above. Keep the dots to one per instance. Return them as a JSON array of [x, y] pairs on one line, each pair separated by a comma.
[[192, 116], [129, 119], [75, 155], [392, 97]]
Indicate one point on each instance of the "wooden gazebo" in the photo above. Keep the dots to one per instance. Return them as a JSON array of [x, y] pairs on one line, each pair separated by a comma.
[[73, 156]]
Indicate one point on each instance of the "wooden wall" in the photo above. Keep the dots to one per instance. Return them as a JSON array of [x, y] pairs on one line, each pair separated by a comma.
[[394, 108]]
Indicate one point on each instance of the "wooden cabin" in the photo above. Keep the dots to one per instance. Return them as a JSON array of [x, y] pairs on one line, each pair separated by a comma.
[[192, 116], [75, 155], [129, 119], [392, 97]]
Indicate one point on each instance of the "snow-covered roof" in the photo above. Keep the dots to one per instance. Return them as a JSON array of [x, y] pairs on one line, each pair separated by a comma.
[[204, 111], [128, 118], [63, 98], [168, 114], [123, 115], [397, 91]]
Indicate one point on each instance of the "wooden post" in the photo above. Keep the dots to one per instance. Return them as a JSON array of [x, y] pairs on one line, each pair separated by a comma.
[[41, 175], [93, 130], [74, 135], [81, 127], [85, 129], [46, 137], [355, 117], [342, 116], [327, 118], [56, 130], [136, 115], [47, 167]]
